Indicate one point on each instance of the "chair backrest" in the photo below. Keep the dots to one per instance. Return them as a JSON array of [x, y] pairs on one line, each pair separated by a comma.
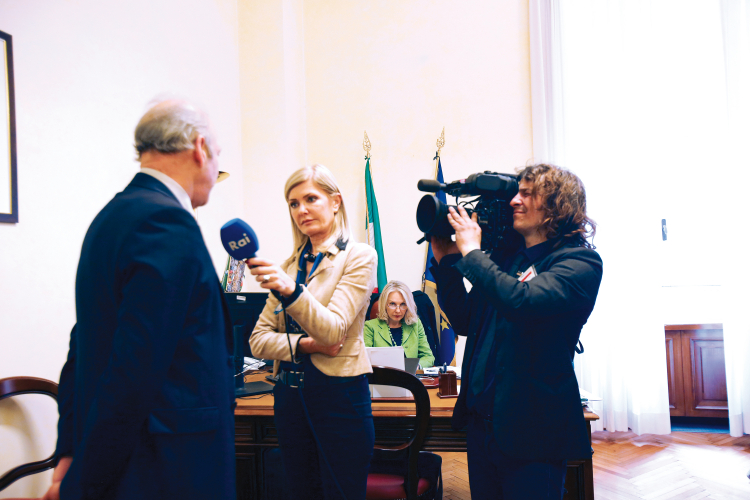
[[374, 310], [15, 386], [391, 376]]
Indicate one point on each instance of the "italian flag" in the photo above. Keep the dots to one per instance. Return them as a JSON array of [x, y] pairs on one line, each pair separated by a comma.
[[372, 225]]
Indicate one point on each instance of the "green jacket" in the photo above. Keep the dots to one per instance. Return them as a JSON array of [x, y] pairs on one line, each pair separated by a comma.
[[414, 341]]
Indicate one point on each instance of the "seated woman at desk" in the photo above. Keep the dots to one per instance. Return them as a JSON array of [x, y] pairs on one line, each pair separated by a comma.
[[397, 324]]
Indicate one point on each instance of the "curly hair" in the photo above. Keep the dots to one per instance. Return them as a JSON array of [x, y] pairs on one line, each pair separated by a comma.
[[563, 203]]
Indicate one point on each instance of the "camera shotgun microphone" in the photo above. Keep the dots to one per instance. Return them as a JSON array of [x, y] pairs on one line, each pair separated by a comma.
[[240, 241], [430, 186]]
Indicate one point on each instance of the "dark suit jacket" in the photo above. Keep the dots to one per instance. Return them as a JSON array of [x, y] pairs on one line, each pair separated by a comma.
[[537, 410], [146, 395]]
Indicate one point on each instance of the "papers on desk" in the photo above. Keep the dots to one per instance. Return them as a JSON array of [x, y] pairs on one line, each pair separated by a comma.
[[392, 357], [587, 397], [251, 364], [435, 371], [254, 364]]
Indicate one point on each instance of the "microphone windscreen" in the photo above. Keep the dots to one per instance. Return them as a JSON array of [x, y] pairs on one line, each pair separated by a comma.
[[430, 185], [239, 239]]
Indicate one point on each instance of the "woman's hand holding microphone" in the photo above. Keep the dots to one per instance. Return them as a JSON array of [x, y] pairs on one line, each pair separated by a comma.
[[272, 277]]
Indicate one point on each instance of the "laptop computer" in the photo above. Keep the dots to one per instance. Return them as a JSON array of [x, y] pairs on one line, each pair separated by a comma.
[[392, 357], [411, 365]]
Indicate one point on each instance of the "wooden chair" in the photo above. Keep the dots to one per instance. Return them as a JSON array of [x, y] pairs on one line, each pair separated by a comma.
[[15, 386], [374, 310], [402, 471]]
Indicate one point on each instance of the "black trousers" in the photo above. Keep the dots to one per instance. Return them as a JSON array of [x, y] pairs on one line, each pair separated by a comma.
[[494, 475], [340, 417]]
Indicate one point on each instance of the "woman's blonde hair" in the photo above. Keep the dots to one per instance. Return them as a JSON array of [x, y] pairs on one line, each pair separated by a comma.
[[411, 308], [323, 180]]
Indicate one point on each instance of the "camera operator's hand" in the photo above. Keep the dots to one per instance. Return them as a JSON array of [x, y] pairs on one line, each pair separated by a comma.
[[468, 232], [442, 246], [271, 276], [308, 345]]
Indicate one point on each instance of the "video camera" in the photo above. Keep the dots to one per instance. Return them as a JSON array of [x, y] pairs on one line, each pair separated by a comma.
[[494, 192]]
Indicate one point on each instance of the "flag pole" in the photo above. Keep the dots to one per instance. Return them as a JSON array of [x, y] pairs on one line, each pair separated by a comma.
[[446, 343], [439, 143], [372, 222], [366, 145]]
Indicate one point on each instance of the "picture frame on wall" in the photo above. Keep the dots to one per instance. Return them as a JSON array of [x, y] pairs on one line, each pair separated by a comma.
[[8, 158]]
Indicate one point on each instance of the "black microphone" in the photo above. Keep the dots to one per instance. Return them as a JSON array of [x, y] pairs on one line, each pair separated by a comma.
[[308, 257], [430, 185]]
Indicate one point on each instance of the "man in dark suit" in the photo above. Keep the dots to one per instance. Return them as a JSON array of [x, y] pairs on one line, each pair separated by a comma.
[[519, 396], [146, 395]]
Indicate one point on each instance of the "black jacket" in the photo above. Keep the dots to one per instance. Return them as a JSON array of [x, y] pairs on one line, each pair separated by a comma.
[[537, 411], [146, 396]]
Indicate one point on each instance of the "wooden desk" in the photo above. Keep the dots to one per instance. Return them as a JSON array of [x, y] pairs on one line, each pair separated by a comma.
[[255, 432]]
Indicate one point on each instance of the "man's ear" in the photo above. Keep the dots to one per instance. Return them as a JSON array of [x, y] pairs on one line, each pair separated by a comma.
[[199, 150]]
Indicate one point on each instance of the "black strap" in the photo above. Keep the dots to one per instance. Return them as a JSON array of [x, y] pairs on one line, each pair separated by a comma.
[[579, 347]]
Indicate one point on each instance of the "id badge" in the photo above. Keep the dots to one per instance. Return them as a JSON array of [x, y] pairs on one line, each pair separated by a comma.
[[528, 274]]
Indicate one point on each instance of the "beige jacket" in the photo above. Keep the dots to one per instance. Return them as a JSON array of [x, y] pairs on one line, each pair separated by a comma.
[[334, 302]]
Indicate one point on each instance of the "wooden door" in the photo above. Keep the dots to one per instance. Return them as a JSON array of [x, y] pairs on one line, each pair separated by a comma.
[[675, 383], [696, 373], [704, 373]]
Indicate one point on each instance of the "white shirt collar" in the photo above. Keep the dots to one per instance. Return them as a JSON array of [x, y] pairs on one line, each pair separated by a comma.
[[173, 186]]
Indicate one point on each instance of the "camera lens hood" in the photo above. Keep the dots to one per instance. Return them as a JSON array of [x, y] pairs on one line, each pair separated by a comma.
[[432, 216]]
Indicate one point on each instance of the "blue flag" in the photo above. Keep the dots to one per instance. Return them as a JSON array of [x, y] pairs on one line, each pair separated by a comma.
[[447, 338]]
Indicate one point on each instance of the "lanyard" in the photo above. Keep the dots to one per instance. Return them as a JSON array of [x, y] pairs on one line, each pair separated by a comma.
[[293, 326], [301, 274]]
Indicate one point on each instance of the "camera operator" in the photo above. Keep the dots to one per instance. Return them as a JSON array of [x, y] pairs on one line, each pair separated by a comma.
[[523, 317]]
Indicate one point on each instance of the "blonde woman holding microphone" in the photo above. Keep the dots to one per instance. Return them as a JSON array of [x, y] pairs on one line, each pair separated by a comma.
[[312, 326]]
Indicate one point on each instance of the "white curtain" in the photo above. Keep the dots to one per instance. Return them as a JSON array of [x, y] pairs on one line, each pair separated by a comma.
[[546, 80], [640, 106], [736, 31]]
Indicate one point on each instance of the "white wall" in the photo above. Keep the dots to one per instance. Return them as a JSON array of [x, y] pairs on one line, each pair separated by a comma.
[[84, 73], [399, 70], [273, 117]]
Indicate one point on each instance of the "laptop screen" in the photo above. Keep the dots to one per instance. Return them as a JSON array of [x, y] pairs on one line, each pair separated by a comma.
[[410, 365]]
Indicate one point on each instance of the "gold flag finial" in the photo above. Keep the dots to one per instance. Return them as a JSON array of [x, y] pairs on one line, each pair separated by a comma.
[[440, 142], [366, 145]]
